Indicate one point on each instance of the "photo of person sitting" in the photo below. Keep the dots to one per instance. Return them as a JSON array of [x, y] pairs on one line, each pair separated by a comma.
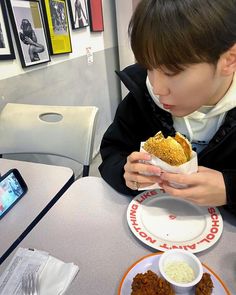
[[28, 37], [80, 15]]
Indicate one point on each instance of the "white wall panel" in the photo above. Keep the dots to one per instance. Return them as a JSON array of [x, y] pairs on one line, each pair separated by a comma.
[[124, 11]]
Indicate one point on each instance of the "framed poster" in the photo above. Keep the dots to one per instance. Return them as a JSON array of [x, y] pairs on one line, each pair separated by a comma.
[[95, 15], [57, 26], [78, 13], [6, 46], [29, 31]]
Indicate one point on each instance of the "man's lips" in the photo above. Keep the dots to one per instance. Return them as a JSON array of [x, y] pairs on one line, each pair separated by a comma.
[[167, 106]]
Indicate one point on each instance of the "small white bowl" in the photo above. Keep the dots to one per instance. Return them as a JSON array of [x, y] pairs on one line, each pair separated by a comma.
[[178, 255]]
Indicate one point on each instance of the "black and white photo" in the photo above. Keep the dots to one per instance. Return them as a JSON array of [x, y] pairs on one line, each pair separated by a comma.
[[2, 41], [58, 16], [6, 46], [29, 31], [78, 13], [29, 38]]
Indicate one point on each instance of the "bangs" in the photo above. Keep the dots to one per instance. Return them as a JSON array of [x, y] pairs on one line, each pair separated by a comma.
[[164, 37]]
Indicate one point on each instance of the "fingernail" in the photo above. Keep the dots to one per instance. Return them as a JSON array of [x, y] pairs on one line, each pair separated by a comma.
[[148, 157]]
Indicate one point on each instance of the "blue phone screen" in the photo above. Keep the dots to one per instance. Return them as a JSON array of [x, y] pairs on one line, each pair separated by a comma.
[[10, 191]]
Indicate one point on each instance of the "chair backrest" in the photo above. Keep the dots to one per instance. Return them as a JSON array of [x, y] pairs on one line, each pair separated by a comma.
[[66, 131]]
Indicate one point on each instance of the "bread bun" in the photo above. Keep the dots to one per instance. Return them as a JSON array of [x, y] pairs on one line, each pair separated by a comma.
[[175, 150]]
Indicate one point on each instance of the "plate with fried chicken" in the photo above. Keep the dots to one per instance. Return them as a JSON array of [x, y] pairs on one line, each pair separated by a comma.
[[143, 278]]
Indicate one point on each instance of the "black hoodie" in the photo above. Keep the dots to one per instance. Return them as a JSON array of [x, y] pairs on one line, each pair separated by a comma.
[[138, 117]]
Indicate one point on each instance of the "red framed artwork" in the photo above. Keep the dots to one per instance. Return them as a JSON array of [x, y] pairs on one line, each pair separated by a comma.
[[95, 15]]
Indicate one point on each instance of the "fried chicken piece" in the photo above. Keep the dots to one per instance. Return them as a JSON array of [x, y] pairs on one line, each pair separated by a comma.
[[205, 286], [150, 284]]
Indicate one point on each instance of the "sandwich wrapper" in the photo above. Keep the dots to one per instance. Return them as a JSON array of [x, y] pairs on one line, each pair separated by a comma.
[[54, 276], [187, 168]]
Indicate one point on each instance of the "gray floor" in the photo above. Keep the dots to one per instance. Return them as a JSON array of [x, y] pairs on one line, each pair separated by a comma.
[[94, 167]]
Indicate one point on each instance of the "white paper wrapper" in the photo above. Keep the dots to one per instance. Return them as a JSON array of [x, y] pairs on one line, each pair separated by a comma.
[[187, 168]]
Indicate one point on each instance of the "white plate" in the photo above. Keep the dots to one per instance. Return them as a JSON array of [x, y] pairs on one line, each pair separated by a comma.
[[150, 262], [164, 222]]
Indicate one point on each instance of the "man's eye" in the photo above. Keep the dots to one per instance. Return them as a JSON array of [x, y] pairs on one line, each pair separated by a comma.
[[170, 74]]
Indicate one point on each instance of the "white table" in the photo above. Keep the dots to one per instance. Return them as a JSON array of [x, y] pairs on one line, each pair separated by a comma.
[[88, 226], [46, 183]]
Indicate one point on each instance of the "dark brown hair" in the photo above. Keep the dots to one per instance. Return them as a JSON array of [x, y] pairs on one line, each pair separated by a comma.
[[176, 33]]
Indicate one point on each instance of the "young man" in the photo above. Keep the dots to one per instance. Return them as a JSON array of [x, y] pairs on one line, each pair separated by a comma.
[[184, 81]]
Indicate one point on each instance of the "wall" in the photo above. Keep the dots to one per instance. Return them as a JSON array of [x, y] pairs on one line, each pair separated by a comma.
[[124, 11], [69, 79]]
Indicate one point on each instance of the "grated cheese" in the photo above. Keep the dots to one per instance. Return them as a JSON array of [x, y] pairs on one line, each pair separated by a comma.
[[179, 271]]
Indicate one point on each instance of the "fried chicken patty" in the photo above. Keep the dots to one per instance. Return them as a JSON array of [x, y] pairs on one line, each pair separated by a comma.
[[150, 283], [205, 286]]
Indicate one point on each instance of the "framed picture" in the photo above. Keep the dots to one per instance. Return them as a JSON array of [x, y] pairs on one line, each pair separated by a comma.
[[57, 26], [29, 31], [6, 46], [95, 15], [78, 13]]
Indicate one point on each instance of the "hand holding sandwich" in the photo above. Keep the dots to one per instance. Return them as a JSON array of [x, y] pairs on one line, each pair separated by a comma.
[[141, 172], [138, 173], [204, 188]]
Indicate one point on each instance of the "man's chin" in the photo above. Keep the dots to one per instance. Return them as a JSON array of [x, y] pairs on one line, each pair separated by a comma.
[[179, 114]]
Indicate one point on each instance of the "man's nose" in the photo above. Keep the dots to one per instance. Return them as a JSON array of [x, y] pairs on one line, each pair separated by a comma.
[[160, 84]]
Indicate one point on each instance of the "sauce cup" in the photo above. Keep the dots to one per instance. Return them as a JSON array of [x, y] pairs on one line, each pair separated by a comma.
[[182, 269]]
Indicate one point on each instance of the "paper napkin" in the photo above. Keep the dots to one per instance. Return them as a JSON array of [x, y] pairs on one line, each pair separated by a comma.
[[54, 275]]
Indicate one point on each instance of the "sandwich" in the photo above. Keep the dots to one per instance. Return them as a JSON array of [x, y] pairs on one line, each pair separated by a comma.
[[175, 150]]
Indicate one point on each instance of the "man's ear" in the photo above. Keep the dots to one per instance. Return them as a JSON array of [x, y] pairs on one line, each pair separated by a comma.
[[228, 61]]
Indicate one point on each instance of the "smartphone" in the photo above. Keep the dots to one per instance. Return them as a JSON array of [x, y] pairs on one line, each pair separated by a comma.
[[12, 188]]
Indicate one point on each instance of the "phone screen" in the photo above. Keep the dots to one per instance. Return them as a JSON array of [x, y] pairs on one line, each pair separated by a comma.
[[11, 190]]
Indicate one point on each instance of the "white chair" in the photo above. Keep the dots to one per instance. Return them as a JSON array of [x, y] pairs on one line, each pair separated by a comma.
[[66, 131]]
